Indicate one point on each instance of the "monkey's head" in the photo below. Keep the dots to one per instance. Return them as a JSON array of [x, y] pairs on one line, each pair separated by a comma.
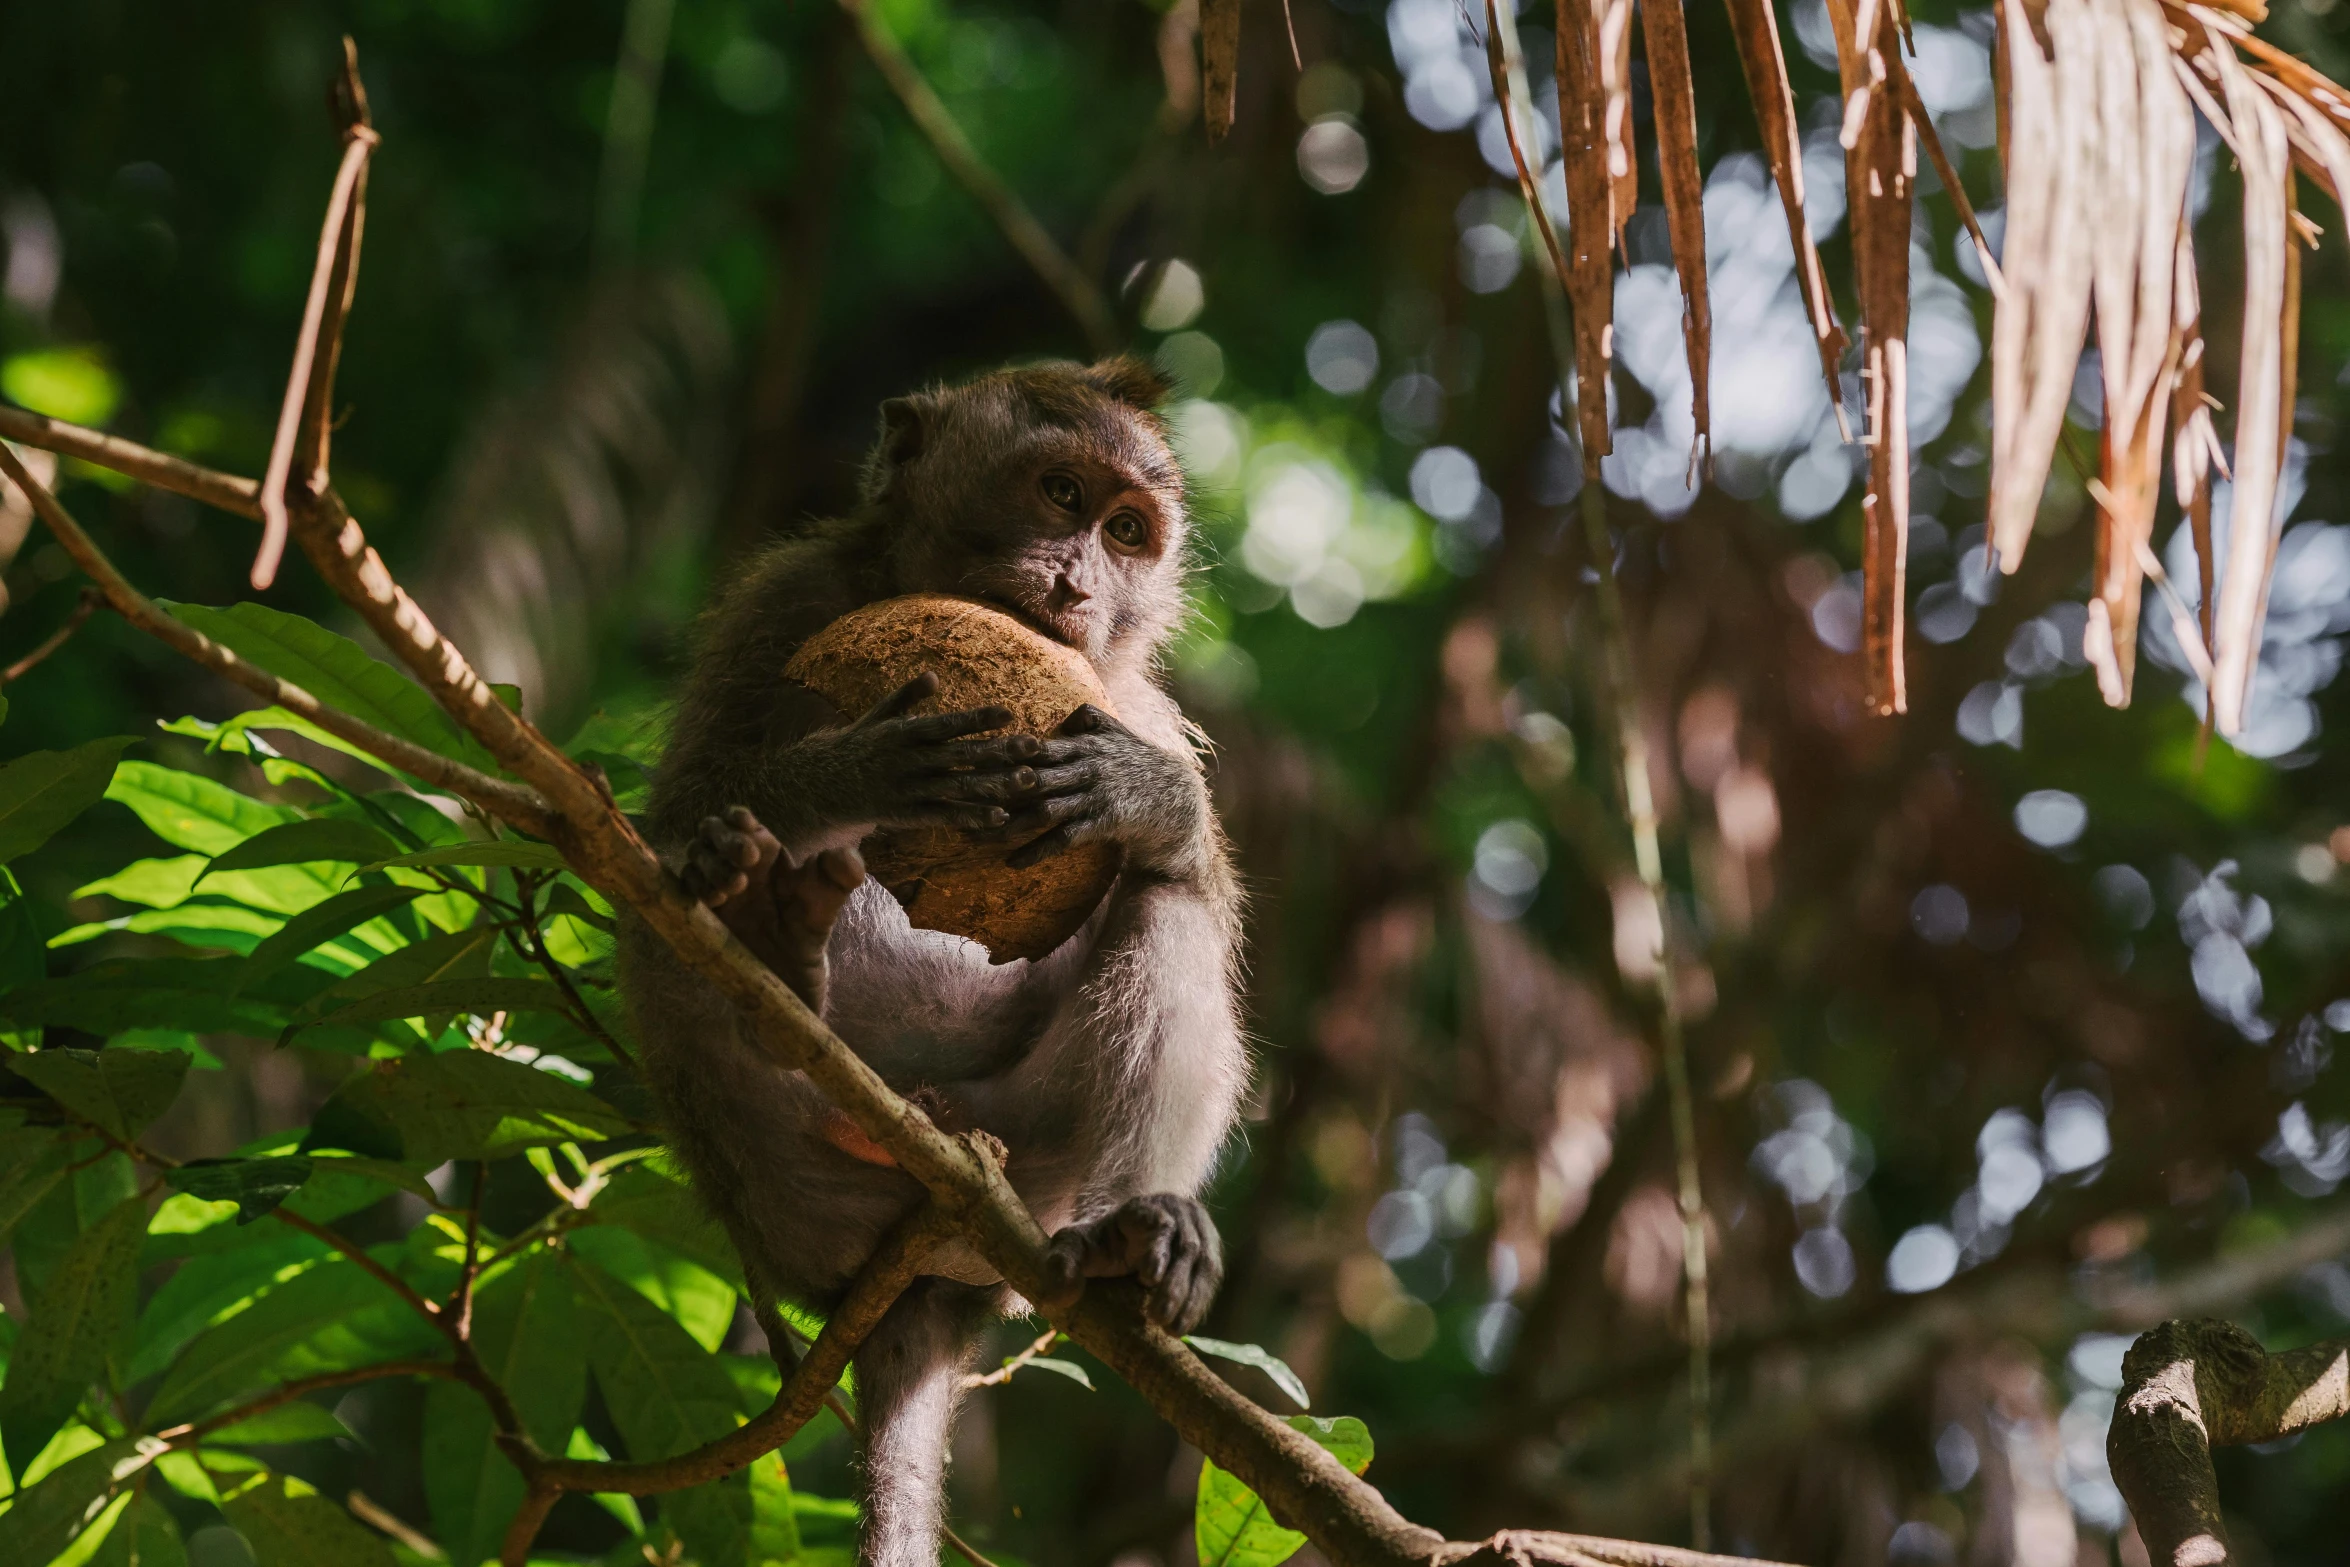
[[1049, 491]]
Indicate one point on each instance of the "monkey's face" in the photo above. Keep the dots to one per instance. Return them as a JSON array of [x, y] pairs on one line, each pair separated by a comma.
[[1040, 492]]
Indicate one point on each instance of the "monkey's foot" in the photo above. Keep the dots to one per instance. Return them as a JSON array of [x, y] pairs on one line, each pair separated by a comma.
[[783, 912], [1166, 1242]]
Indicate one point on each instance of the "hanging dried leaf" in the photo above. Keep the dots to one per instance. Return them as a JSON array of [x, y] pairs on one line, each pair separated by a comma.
[[2194, 444], [1613, 19], [1944, 171], [1501, 43], [1675, 95], [2039, 327], [1590, 222], [2146, 144], [2265, 369], [1757, 32], [1219, 53], [1880, 184]]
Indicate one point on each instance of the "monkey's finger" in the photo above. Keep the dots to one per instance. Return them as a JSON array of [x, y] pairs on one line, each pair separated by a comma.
[[953, 813], [1087, 720], [952, 726], [906, 697], [1060, 840], [1006, 751], [1053, 782], [1150, 1233], [1016, 784], [844, 868]]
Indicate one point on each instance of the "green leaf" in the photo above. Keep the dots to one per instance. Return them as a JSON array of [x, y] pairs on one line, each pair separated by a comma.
[[206, 1291], [43, 790], [79, 1317], [322, 923], [143, 1535], [195, 995], [1258, 1356], [53, 1513], [1065, 1368], [619, 1504], [331, 1316], [700, 1301], [35, 1162], [465, 1104], [775, 1524], [1230, 1522], [231, 734], [118, 1091], [337, 671], [321, 839], [290, 1525], [192, 812], [443, 996], [527, 1330], [256, 1186], [564, 898], [460, 954], [665, 1394], [283, 1426], [647, 1198], [488, 851]]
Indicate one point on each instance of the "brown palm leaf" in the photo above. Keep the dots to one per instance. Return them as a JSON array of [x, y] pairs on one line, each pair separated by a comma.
[[1591, 220], [1756, 28], [1881, 161], [1667, 36]]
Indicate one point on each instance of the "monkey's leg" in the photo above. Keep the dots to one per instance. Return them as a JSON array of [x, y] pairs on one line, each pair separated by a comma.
[[781, 911], [909, 1380], [1165, 1241]]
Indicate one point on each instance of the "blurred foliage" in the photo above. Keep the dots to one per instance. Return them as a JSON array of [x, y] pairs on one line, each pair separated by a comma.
[[2017, 1004]]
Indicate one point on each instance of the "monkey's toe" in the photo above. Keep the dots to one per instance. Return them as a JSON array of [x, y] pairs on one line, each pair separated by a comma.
[[1166, 1243], [725, 853]]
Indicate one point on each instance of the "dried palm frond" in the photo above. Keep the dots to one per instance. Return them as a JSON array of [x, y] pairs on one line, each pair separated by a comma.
[[1881, 157], [1591, 217], [2039, 328], [2255, 129], [1757, 31], [2194, 443], [2147, 141], [1675, 94], [1612, 23]]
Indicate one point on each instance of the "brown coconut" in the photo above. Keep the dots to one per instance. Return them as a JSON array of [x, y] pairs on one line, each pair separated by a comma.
[[983, 658]]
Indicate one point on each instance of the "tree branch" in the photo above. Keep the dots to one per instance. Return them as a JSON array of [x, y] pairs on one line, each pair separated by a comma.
[[90, 601], [2188, 1387], [226, 491], [286, 1392], [515, 805], [1019, 225]]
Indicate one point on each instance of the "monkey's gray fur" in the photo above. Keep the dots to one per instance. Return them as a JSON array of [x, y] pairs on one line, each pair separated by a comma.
[[1111, 1068]]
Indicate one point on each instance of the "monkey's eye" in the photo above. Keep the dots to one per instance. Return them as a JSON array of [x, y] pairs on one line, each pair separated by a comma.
[[1127, 532], [1063, 492]]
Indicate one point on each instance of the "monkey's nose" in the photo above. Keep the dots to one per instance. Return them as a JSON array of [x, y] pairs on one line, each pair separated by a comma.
[[1067, 592]]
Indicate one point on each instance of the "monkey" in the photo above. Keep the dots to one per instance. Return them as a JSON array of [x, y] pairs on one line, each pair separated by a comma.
[[1111, 1069]]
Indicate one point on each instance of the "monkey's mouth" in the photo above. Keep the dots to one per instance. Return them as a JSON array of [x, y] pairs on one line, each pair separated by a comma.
[[1066, 626]]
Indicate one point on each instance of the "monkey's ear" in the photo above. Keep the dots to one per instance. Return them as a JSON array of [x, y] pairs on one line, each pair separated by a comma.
[[905, 429], [902, 432], [1135, 382]]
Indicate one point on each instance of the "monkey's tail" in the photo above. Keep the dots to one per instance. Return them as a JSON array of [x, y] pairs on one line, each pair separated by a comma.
[[909, 1381]]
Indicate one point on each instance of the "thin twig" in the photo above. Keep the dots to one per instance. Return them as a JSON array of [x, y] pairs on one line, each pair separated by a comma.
[[91, 601], [537, 952], [358, 142], [1003, 1373], [462, 1300], [351, 1249], [227, 491], [938, 126], [511, 801], [286, 1392]]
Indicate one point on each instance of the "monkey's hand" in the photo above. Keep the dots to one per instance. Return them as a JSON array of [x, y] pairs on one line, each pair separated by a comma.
[[781, 911], [1098, 780], [895, 771], [1168, 1243]]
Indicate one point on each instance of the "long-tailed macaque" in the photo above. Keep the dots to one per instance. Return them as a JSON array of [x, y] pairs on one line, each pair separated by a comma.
[[1111, 1068]]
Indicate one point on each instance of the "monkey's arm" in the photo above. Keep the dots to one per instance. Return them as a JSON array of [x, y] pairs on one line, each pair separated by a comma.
[[1114, 1120]]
